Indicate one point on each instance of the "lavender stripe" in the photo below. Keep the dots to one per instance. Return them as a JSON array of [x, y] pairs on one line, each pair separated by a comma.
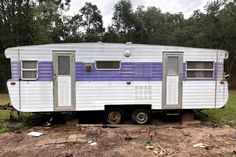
[[215, 71], [184, 76], [130, 71], [45, 71], [15, 71]]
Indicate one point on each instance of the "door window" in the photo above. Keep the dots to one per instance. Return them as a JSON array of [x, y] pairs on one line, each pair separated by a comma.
[[63, 65], [172, 66]]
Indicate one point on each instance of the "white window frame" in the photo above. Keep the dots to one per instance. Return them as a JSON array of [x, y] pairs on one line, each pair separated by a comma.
[[207, 78], [108, 61], [22, 70]]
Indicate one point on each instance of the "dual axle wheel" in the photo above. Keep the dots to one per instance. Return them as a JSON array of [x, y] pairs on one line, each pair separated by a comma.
[[139, 116]]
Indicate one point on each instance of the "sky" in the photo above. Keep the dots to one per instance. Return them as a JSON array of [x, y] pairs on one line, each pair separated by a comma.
[[173, 6]]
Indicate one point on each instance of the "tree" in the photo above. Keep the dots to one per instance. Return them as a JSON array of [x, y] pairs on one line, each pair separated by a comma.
[[72, 28], [111, 35], [122, 17], [48, 20], [15, 19], [140, 31], [92, 22], [26, 22], [227, 35], [123, 21]]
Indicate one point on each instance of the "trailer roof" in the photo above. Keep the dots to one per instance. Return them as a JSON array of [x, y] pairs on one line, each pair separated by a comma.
[[72, 46]]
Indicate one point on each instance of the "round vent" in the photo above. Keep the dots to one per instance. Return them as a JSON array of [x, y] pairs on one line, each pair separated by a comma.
[[88, 67]]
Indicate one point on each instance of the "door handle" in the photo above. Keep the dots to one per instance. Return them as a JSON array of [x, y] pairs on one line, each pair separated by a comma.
[[54, 76]]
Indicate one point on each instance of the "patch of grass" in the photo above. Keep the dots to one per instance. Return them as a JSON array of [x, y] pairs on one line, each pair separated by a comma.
[[4, 99], [12, 127], [4, 128], [226, 115], [25, 121], [4, 115]]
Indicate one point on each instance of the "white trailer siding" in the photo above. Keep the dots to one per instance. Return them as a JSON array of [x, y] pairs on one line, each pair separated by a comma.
[[198, 94], [34, 96], [94, 95], [222, 95], [14, 95]]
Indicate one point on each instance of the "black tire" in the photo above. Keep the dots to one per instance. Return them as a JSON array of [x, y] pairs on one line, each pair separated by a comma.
[[114, 116], [141, 116]]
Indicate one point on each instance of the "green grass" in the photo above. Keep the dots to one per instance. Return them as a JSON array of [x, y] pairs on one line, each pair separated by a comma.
[[4, 128], [4, 115], [4, 99], [226, 115]]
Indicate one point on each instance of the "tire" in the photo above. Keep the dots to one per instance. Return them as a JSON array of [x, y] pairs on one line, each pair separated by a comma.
[[141, 116], [114, 116]]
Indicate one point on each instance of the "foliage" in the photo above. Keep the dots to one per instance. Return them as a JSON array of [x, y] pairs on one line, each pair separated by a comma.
[[4, 128], [92, 22], [71, 29], [122, 17]]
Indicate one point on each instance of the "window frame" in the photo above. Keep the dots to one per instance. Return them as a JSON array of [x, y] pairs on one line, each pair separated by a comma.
[[35, 70], [108, 61], [204, 70]]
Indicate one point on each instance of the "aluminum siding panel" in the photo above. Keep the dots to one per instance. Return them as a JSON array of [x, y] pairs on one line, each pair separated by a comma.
[[94, 95]]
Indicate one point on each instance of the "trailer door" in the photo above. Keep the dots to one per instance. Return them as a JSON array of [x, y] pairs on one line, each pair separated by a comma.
[[172, 80], [64, 81]]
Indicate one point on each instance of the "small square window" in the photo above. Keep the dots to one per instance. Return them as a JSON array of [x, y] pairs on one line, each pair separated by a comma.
[[29, 70], [29, 65], [29, 74]]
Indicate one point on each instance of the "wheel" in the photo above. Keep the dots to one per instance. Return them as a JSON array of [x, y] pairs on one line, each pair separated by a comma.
[[114, 116], [141, 116]]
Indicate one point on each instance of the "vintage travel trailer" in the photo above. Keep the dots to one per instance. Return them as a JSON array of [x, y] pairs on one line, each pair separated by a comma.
[[116, 78]]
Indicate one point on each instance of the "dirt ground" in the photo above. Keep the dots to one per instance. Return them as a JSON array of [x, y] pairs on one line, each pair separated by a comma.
[[169, 139]]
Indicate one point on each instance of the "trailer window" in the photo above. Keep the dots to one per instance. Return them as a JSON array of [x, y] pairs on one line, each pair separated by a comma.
[[108, 65], [200, 70], [29, 70]]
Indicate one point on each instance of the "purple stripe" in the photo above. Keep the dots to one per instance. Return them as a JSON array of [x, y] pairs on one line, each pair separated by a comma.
[[15, 71], [45, 71], [215, 71], [129, 71], [184, 76]]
